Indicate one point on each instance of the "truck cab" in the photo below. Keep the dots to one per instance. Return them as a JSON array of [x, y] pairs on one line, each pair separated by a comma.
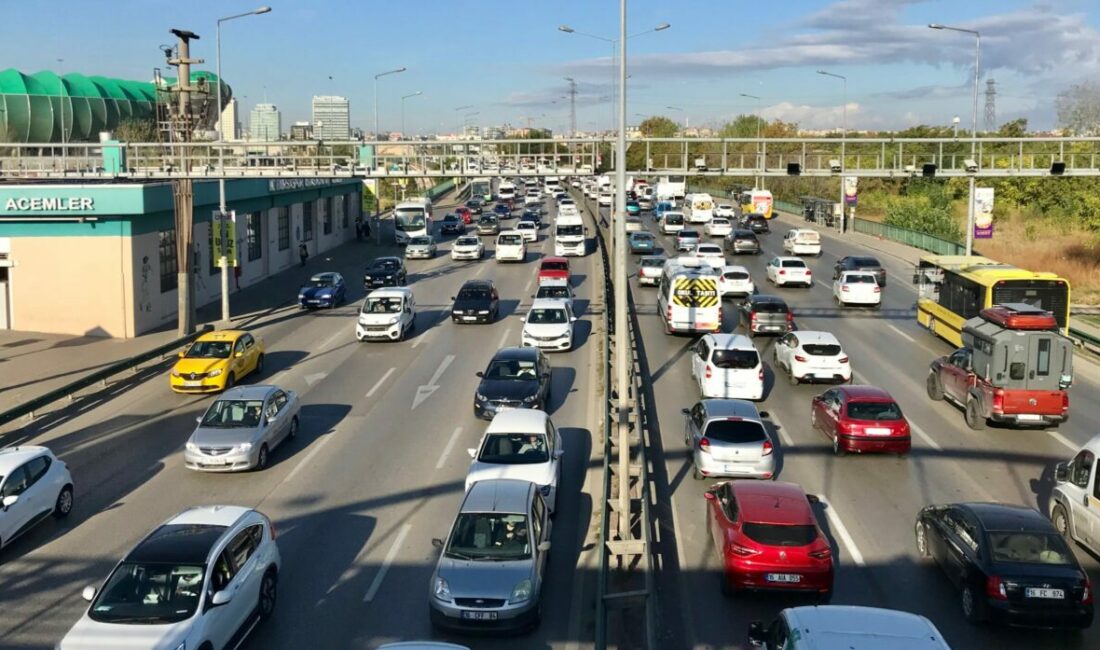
[[1075, 501]]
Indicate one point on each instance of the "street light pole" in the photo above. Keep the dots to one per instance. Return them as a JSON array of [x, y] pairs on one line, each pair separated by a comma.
[[377, 138], [377, 135], [623, 357], [973, 126], [843, 137], [224, 261], [403, 98], [462, 108], [759, 179]]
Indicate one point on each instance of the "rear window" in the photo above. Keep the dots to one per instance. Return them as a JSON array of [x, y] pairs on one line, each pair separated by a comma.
[[555, 266], [807, 237], [653, 262], [735, 359], [735, 431], [860, 279], [674, 218], [879, 411], [709, 250], [1029, 548], [821, 349], [688, 234], [863, 262], [793, 264], [770, 307], [510, 240], [735, 275], [776, 535]]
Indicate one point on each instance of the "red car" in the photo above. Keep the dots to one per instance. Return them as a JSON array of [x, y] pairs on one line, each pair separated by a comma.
[[861, 419], [464, 213], [768, 538], [556, 268]]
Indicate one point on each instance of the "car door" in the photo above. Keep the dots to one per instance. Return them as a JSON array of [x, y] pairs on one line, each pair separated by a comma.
[[232, 572], [540, 532], [16, 516], [783, 348], [693, 424], [960, 544], [1083, 490], [827, 412], [956, 372], [723, 516], [698, 361], [276, 424]]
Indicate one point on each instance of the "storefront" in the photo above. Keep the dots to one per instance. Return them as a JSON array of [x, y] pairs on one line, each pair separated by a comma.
[[101, 259]]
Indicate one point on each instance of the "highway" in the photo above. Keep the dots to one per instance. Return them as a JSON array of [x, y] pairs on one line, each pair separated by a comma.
[[868, 503], [374, 475]]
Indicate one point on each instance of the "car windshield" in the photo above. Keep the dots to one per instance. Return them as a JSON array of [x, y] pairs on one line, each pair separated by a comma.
[[382, 306], [489, 536], [149, 594], [570, 229], [474, 293], [735, 431], [860, 279], [526, 225], [742, 235], [514, 449], [467, 241], [510, 240], [641, 236], [674, 218], [322, 283], [518, 369], [1031, 547], [233, 413], [719, 222], [552, 292], [555, 266], [547, 317], [383, 265], [821, 349], [735, 359], [420, 241], [777, 535], [488, 219], [874, 411], [451, 217], [209, 350], [409, 219]]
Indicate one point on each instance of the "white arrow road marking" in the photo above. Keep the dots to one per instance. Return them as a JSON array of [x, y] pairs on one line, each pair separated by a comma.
[[315, 377], [425, 391]]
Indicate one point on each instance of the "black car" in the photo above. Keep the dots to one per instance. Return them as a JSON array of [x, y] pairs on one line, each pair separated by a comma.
[[756, 223], [515, 378], [452, 223], [475, 206], [766, 314], [477, 302], [502, 210], [385, 272], [1008, 563], [860, 263], [742, 241], [532, 214]]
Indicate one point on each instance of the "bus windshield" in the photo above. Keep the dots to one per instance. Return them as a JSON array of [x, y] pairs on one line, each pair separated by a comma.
[[409, 220], [570, 229]]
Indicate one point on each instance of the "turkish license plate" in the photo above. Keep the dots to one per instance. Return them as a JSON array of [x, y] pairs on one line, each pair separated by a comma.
[[479, 616], [216, 461], [877, 431], [783, 577], [469, 318], [1036, 592], [1029, 417], [192, 384]]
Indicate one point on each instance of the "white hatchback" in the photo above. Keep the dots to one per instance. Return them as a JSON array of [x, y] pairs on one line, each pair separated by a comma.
[[549, 325], [34, 484], [711, 253], [520, 444], [724, 210], [511, 247], [857, 288], [467, 247], [718, 227], [529, 230], [789, 270], [735, 281], [812, 356], [727, 366]]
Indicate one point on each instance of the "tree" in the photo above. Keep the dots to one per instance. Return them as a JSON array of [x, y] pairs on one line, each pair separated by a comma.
[[1015, 129], [136, 130], [744, 126], [1079, 108], [658, 126]]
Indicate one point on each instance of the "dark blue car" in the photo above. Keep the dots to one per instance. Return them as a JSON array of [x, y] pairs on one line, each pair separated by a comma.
[[323, 290], [532, 215], [502, 210]]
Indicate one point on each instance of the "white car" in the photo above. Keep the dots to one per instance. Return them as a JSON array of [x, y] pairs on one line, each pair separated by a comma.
[[718, 227], [735, 281], [802, 241], [605, 199], [532, 197], [812, 356], [857, 288], [511, 247], [727, 366], [467, 247], [34, 484], [529, 230], [202, 579], [711, 253], [650, 269], [549, 325], [555, 289], [789, 270], [724, 210], [388, 313], [520, 444]]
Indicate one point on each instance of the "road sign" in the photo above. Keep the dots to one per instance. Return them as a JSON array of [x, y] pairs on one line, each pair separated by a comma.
[[983, 213], [850, 184], [225, 237]]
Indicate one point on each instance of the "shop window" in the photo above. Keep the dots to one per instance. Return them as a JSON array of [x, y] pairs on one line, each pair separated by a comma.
[[254, 236], [307, 221], [168, 264], [283, 226]]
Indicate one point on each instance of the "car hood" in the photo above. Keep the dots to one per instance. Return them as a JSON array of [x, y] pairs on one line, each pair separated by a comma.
[[546, 329], [368, 318], [507, 388], [471, 579], [91, 635], [472, 304], [215, 437], [313, 292], [186, 365], [463, 248], [539, 473], [417, 248]]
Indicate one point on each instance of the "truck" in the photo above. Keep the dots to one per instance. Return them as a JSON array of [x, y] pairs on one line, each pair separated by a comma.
[[569, 235], [1015, 368], [671, 189]]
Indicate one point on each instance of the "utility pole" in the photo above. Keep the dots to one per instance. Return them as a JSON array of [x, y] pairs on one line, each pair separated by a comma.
[[572, 106], [182, 188]]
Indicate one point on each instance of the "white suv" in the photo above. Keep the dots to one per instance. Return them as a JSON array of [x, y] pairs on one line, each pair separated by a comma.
[[33, 485], [809, 356], [198, 580], [727, 366]]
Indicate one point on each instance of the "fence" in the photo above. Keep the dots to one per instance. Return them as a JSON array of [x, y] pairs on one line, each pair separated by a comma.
[[913, 238]]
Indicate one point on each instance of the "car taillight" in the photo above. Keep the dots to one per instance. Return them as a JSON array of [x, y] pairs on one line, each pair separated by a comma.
[[752, 316], [782, 272], [709, 371], [800, 358], [1086, 595], [844, 287], [741, 551], [790, 317], [809, 272], [1065, 402], [760, 375], [878, 290], [998, 401], [995, 588], [843, 360], [767, 448], [704, 444], [823, 554]]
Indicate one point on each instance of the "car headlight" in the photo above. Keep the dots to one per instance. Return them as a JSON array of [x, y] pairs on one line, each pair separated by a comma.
[[389, 277], [215, 372], [243, 447], [175, 373], [326, 295], [530, 398], [479, 397], [192, 446], [483, 311], [301, 295], [395, 320], [442, 591], [521, 593]]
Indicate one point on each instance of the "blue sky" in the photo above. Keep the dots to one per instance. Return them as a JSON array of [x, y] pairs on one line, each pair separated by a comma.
[[508, 59]]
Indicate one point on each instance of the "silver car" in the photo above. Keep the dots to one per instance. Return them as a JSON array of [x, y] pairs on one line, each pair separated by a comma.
[[422, 247], [489, 576], [728, 439], [240, 429]]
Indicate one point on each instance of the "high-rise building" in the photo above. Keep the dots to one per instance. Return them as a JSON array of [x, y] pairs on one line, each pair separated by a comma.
[[331, 118], [230, 122], [301, 131], [265, 123]]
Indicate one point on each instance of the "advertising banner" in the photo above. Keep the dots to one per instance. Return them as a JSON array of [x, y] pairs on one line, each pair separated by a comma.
[[983, 213], [850, 190], [225, 237]]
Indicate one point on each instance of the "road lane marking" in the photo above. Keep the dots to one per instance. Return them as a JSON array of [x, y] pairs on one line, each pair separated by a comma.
[[504, 338], [925, 437], [901, 333], [481, 270], [424, 391], [381, 381], [842, 532], [313, 378], [420, 339], [783, 436], [384, 569], [332, 338], [1065, 441], [308, 457], [527, 287], [447, 449]]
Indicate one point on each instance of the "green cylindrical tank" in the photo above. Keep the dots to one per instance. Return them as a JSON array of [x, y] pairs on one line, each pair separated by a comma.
[[40, 107]]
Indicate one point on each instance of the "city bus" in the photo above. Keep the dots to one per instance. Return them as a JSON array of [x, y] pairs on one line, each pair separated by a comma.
[[756, 202], [482, 188], [412, 218], [954, 288]]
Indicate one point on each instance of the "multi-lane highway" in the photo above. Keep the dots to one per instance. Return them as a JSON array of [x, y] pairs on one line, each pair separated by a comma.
[[376, 472], [868, 503]]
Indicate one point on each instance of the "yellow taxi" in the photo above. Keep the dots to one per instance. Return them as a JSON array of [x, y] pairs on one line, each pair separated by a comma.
[[216, 361]]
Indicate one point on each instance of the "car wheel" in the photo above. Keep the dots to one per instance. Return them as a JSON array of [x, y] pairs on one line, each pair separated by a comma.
[[1061, 522], [791, 378], [260, 365], [974, 419], [837, 449], [696, 474], [934, 387], [293, 428], [261, 459], [230, 381], [269, 593], [921, 534], [64, 504], [973, 608]]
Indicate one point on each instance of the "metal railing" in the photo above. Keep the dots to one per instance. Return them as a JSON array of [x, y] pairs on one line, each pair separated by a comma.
[[30, 407], [914, 238]]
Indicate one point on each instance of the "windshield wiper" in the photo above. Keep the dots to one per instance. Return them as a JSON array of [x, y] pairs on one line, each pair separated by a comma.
[[459, 556]]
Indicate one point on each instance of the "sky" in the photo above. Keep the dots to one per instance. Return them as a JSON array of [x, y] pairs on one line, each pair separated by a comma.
[[508, 60]]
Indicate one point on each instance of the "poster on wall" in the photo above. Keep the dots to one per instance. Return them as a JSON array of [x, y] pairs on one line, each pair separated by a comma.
[[850, 189], [983, 213], [225, 237]]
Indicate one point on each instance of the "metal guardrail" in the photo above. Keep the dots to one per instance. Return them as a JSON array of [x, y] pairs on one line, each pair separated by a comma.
[[1085, 340], [913, 238], [100, 376]]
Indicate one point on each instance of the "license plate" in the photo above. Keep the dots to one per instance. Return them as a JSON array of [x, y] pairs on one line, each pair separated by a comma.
[[1029, 417], [215, 461], [877, 431], [192, 384], [783, 577], [469, 318], [1035, 592], [479, 616]]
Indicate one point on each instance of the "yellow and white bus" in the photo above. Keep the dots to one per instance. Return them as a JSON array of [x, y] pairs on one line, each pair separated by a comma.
[[757, 202], [954, 288]]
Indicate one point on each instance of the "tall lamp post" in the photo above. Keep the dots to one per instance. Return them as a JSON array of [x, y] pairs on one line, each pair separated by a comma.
[[759, 183], [973, 125], [377, 135], [463, 108], [403, 98], [843, 136], [224, 261]]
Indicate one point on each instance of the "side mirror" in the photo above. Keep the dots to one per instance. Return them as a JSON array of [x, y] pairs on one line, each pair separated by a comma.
[[544, 547], [757, 634], [88, 594], [10, 501], [437, 543], [523, 319], [709, 496], [472, 452], [765, 415], [238, 354], [572, 319], [221, 598], [813, 498], [479, 373], [1061, 472], [558, 453], [452, 297], [685, 411], [546, 375], [182, 352], [198, 418]]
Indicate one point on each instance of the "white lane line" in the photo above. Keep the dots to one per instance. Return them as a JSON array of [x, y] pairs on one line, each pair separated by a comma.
[[381, 381], [842, 532], [308, 457], [481, 270], [924, 436], [390, 555], [420, 339], [827, 286], [504, 337], [784, 437], [527, 287], [1065, 441], [447, 449], [332, 338], [901, 333]]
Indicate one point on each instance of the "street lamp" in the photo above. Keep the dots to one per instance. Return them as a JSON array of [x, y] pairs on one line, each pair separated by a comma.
[[973, 124], [224, 261], [416, 94], [462, 108], [376, 77], [759, 179], [843, 135]]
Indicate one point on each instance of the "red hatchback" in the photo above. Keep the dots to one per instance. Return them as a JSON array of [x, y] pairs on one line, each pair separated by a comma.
[[768, 538], [556, 268], [861, 419], [464, 213]]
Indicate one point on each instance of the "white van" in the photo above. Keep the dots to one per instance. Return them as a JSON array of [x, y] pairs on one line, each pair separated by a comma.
[[387, 314], [412, 218], [842, 627], [672, 222], [511, 247], [1075, 503], [552, 185], [802, 241], [699, 208], [687, 297], [569, 235], [506, 191]]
